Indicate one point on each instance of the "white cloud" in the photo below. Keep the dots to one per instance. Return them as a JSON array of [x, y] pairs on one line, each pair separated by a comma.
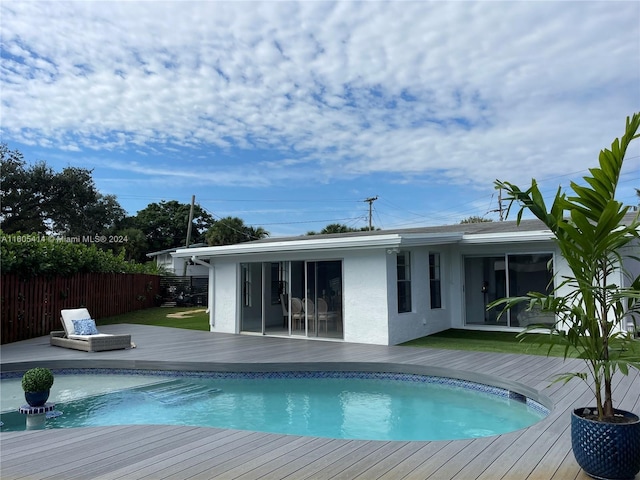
[[462, 91]]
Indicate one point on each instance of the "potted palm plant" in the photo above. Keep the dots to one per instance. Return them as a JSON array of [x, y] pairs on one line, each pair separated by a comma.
[[36, 384], [592, 303]]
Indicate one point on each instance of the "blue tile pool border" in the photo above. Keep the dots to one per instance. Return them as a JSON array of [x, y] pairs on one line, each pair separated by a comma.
[[400, 377]]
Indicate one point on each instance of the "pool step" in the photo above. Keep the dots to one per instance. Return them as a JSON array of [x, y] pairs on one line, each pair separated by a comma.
[[179, 392]]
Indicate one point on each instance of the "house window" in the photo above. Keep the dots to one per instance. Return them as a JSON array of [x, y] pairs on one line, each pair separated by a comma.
[[246, 285], [435, 283], [404, 282]]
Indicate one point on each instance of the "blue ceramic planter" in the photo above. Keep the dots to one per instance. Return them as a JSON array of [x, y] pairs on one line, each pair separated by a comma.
[[36, 399], [608, 451]]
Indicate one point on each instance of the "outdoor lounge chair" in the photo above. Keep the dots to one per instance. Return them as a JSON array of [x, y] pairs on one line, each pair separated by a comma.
[[86, 339]]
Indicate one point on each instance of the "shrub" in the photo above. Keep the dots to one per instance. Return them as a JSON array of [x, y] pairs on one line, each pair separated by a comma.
[[31, 255], [37, 380]]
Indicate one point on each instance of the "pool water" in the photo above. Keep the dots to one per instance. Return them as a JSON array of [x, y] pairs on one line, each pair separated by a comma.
[[321, 404]]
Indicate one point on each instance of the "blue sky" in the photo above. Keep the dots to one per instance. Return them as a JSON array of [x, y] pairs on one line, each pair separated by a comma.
[[290, 114]]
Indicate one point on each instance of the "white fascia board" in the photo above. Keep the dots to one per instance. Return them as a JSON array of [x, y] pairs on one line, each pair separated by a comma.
[[340, 243], [508, 237], [374, 241]]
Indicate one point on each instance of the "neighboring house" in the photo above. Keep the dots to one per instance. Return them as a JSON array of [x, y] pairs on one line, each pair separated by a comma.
[[176, 265], [380, 287], [186, 282]]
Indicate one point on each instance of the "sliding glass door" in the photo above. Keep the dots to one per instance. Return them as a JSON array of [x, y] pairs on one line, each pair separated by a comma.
[[300, 298], [492, 277], [324, 290]]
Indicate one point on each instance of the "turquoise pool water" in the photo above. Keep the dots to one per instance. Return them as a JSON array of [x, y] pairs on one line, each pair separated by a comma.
[[349, 405]]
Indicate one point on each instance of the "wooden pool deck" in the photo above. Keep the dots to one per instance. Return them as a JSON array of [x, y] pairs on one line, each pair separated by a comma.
[[541, 452]]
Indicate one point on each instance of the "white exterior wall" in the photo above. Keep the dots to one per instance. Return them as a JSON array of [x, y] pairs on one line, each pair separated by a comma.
[[365, 293], [225, 302], [631, 266], [422, 320]]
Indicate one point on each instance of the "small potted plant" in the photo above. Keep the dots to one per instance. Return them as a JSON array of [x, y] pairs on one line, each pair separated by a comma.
[[36, 384], [591, 303]]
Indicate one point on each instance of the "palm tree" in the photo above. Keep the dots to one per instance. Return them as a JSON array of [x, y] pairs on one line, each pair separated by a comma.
[[231, 230], [593, 232]]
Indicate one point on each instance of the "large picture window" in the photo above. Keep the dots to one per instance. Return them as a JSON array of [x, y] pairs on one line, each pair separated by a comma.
[[404, 282]]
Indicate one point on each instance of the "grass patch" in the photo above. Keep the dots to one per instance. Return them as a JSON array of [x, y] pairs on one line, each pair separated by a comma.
[[498, 342], [158, 317]]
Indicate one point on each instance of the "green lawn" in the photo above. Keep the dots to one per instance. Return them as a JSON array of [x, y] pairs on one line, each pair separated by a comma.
[[500, 342], [484, 341], [195, 318]]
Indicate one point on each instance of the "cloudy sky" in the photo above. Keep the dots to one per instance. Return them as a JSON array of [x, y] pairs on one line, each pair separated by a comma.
[[290, 115]]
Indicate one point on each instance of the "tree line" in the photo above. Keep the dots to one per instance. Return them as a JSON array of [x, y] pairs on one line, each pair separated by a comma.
[[66, 205], [35, 199]]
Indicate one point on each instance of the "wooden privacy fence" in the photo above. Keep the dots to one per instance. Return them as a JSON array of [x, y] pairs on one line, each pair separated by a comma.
[[31, 307]]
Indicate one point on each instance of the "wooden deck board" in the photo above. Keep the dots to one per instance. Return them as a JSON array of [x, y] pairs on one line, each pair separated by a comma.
[[160, 463], [389, 462], [364, 454], [315, 468], [217, 459], [290, 464], [540, 452], [407, 466], [254, 467], [454, 466]]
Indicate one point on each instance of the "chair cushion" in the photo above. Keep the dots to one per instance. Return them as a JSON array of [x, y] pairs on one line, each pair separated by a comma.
[[87, 337], [85, 326], [69, 315]]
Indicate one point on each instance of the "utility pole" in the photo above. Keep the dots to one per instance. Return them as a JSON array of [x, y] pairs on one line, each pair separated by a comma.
[[499, 209], [370, 200], [193, 201]]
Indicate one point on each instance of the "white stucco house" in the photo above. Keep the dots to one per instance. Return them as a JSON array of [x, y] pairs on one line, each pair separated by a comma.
[[380, 287]]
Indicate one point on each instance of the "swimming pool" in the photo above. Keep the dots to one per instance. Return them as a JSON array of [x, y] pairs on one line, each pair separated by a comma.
[[349, 405]]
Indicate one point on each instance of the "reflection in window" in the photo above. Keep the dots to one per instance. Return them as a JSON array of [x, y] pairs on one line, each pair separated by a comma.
[[404, 282], [529, 273]]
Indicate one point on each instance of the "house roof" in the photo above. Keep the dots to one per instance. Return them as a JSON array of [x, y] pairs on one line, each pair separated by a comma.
[[171, 250], [529, 230]]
